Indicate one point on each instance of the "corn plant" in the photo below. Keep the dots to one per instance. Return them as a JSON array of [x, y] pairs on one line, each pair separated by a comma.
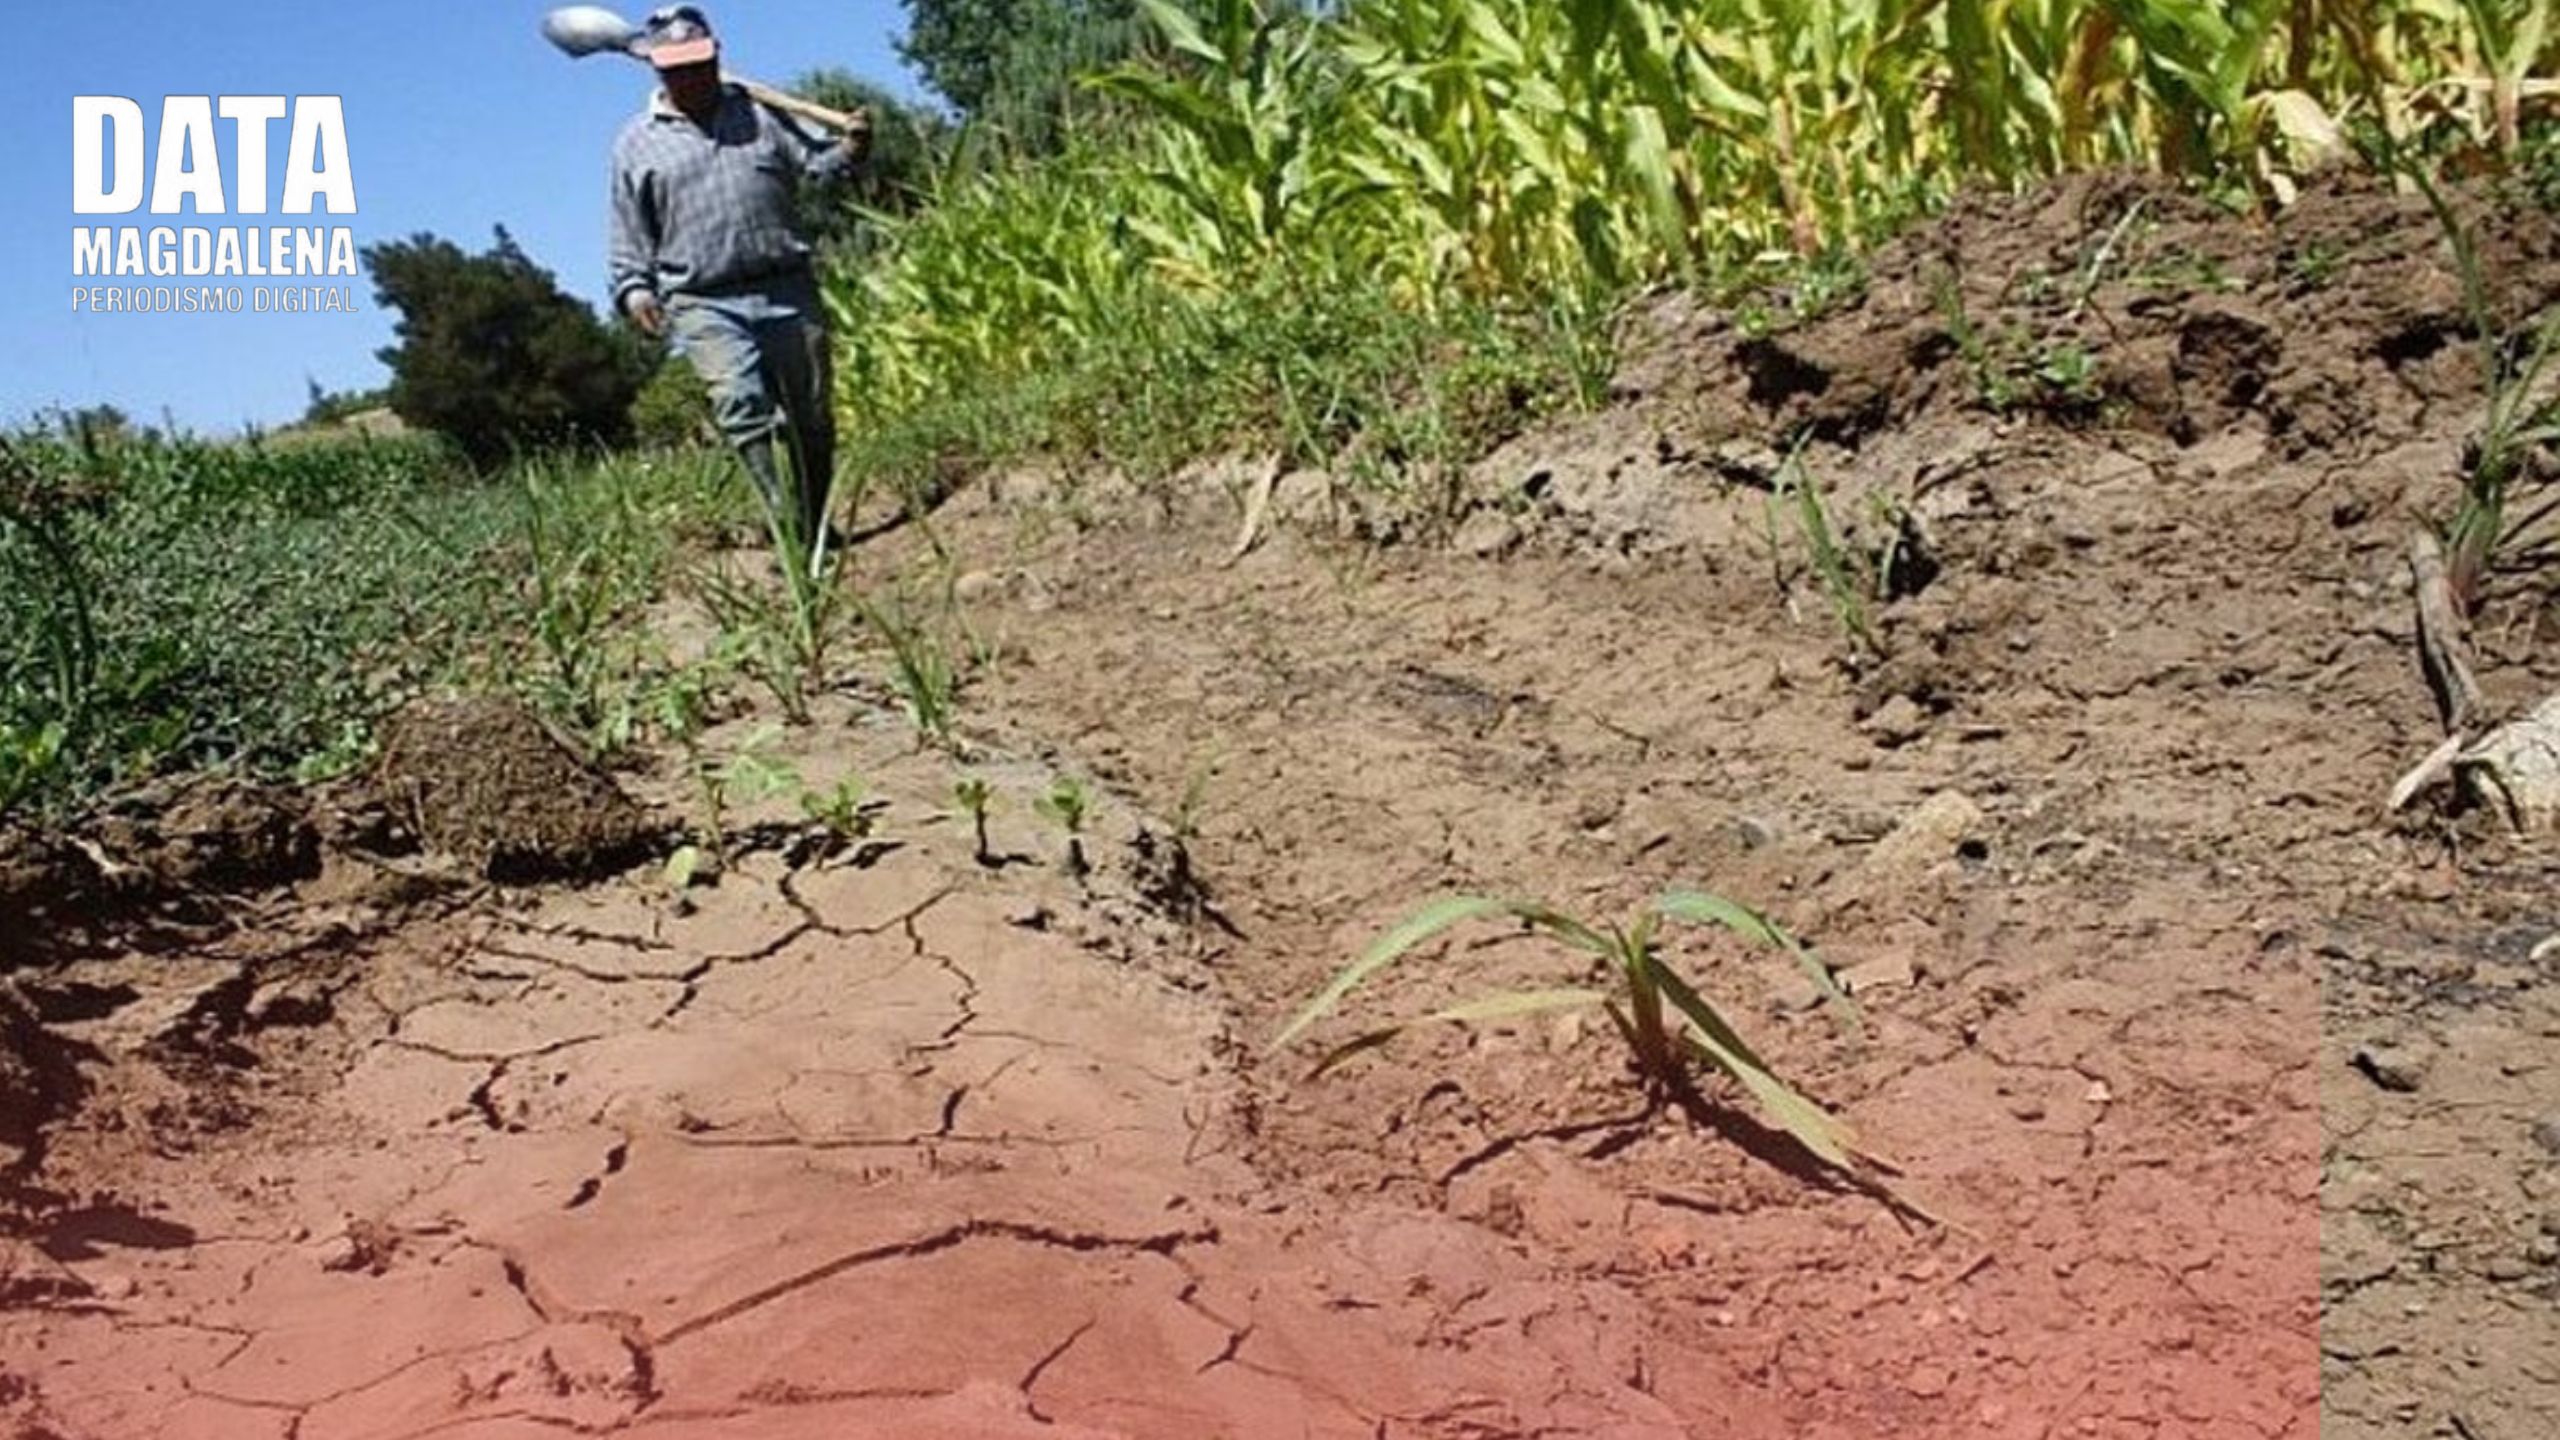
[[1848, 586], [749, 774], [2521, 413], [1237, 153], [976, 799], [1067, 804], [1664, 1021], [596, 552], [779, 634], [1512, 147], [921, 670]]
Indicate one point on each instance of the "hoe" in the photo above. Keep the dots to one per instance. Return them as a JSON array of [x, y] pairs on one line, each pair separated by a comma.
[[583, 30]]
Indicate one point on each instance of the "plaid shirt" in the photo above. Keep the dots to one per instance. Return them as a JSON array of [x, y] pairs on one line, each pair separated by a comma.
[[702, 211]]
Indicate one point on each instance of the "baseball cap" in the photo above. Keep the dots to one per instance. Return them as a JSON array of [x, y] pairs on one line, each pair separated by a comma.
[[677, 35]]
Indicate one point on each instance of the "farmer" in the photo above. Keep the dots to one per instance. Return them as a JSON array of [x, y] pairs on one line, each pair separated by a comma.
[[705, 250]]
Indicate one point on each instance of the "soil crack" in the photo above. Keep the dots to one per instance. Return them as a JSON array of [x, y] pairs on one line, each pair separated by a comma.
[[1161, 1243], [1040, 1367]]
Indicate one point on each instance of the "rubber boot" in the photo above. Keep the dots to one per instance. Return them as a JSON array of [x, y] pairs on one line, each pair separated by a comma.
[[780, 505]]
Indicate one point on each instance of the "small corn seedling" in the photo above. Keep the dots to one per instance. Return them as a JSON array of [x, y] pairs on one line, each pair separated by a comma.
[[921, 670], [1850, 587], [976, 798], [782, 633], [1194, 800], [2522, 413], [679, 708], [843, 809], [1067, 803], [1664, 1021]]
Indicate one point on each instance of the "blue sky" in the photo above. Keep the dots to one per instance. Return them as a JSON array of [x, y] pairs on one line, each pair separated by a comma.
[[459, 118]]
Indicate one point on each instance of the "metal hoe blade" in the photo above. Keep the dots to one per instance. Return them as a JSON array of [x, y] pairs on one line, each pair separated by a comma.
[[581, 30]]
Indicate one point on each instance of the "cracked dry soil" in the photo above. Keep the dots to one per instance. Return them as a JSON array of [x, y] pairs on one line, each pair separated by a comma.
[[846, 1152], [913, 1148]]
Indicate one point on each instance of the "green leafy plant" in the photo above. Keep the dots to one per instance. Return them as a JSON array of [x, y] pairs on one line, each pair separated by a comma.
[[1665, 1022], [843, 808], [595, 557], [753, 773], [2069, 373], [2522, 412], [2523, 416], [1067, 804], [680, 708], [176, 603], [29, 758], [38, 542], [2315, 266]]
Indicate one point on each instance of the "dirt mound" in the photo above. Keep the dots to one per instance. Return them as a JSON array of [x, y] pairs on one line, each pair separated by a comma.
[[172, 846], [39, 876], [2117, 302], [221, 836], [40, 1082], [483, 780]]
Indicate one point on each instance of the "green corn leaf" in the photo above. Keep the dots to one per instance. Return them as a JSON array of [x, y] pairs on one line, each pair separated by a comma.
[[1178, 30], [1512, 1003], [1699, 908], [1648, 159], [1814, 1128], [1423, 925], [1504, 1006], [1717, 1041]]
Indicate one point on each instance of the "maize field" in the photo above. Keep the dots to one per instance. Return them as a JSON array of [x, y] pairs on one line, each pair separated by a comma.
[[1523, 153]]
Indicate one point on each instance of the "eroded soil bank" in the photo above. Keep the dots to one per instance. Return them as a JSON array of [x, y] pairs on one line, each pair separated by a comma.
[[2157, 998]]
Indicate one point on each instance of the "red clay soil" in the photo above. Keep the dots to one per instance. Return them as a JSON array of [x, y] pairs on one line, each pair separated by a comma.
[[2156, 996]]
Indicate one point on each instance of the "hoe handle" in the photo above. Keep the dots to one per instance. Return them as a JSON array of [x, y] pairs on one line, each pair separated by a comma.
[[843, 122]]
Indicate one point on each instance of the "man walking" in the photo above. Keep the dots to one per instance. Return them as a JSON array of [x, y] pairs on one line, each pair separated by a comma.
[[705, 250]]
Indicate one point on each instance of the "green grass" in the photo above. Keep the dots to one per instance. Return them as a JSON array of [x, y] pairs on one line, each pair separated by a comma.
[[1319, 373], [257, 607]]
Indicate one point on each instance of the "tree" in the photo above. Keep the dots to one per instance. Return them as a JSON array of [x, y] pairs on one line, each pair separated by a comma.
[[493, 354], [909, 144], [1013, 63], [328, 407], [957, 45], [674, 409]]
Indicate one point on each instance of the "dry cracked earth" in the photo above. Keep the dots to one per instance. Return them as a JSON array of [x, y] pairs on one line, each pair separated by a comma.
[[866, 1150], [2230, 1099]]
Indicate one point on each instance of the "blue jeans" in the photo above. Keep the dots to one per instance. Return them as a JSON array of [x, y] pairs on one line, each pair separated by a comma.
[[763, 353]]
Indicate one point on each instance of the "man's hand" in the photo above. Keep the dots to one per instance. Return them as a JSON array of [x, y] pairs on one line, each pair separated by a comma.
[[645, 311]]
